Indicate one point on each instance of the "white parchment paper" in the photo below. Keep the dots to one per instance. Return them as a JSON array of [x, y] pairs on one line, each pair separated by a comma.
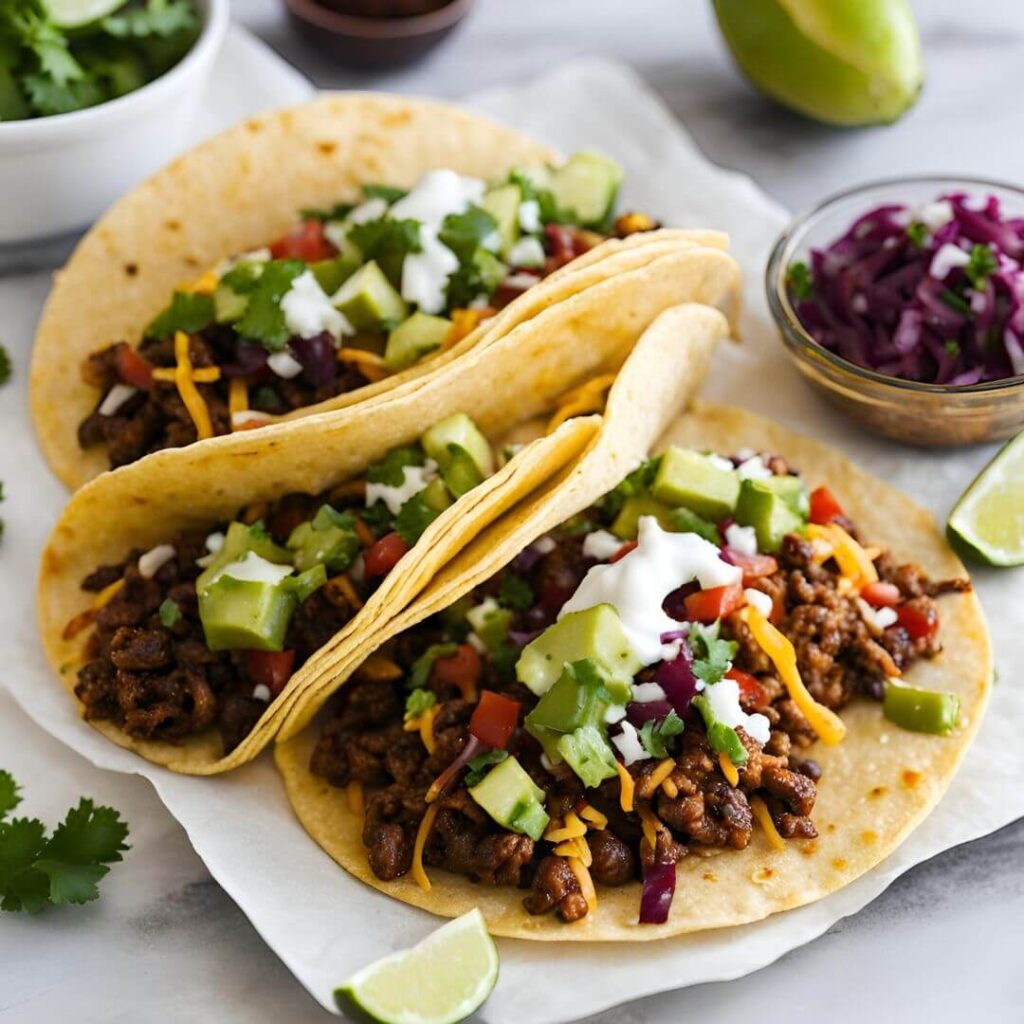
[[322, 923]]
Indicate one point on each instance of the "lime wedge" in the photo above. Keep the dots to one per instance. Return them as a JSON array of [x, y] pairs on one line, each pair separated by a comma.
[[988, 521], [444, 979], [76, 13]]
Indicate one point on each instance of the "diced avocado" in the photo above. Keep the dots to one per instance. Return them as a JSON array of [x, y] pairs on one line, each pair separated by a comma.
[[683, 520], [512, 799], [760, 507], [539, 175], [228, 305], [332, 274], [436, 495], [586, 186], [593, 633], [686, 477], [329, 540], [246, 614], [414, 338], [461, 451], [490, 622], [502, 204], [578, 698], [239, 540], [369, 301], [589, 754], [627, 521], [792, 491]]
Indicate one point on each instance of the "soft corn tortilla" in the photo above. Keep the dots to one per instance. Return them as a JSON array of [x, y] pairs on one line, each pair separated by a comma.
[[234, 193], [876, 786], [203, 484]]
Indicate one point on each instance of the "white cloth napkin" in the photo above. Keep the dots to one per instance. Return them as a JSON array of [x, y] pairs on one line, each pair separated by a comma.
[[322, 923]]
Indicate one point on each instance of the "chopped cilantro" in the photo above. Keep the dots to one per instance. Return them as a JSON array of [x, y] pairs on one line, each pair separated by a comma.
[[480, 764], [515, 593], [952, 346], [64, 868], [339, 211], [981, 263], [243, 277], [264, 318], [418, 701], [465, 232], [266, 399], [189, 312], [5, 366], [378, 239], [419, 674], [917, 233], [711, 654], [503, 661], [798, 280], [636, 484], [378, 518], [682, 520], [389, 193], [954, 301], [413, 518], [654, 735], [170, 614], [391, 469], [480, 276]]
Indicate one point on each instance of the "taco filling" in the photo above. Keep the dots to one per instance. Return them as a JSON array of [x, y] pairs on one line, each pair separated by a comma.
[[641, 684], [204, 631], [352, 295]]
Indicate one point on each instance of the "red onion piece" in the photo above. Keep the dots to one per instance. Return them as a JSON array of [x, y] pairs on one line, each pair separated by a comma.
[[318, 359], [451, 773], [650, 711], [676, 678], [249, 359], [659, 887]]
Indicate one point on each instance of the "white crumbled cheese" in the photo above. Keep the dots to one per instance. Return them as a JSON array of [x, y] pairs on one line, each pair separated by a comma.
[[670, 651], [414, 480], [116, 397], [545, 545], [478, 615], [521, 281], [629, 746], [885, 617], [492, 241], [754, 469], [946, 259], [308, 311], [479, 302], [253, 568], [215, 541], [248, 417], [724, 700], [760, 600], [741, 538], [336, 232], [859, 303], [615, 713], [546, 763], [252, 256], [284, 364], [527, 252], [935, 215], [601, 545], [529, 216], [644, 693], [476, 643], [261, 692], [372, 209], [976, 204], [636, 586], [425, 274], [719, 462], [153, 560], [745, 453], [357, 570], [436, 195], [976, 300]]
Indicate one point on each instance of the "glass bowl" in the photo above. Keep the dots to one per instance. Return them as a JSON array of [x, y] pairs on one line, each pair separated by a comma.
[[923, 414]]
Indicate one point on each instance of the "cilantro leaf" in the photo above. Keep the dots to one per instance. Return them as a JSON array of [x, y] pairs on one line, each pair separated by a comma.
[[682, 520], [339, 211], [481, 763], [711, 655], [480, 276], [798, 280], [503, 661], [378, 518], [9, 796], [378, 239], [954, 301], [418, 701], [723, 738], [952, 346], [515, 593], [5, 365], [189, 312], [981, 263], [162, 18], [88, 834], [654, 735], [413, 518], [917, 233], [465, 232], [264, 319], [636, 484], [389, 193], [390, 469], [419, 674], [71, 883]]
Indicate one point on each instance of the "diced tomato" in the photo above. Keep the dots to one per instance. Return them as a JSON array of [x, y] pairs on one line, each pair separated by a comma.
[[132, 368], [270, 668], [461, 670], [752, 693], [920, 624], [306, 242], [494, 719], [881, 594], [623, 551], [824, 506], [384, 554], [707, 605], [753, 566]]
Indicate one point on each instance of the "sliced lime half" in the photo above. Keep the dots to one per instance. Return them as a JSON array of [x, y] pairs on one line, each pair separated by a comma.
[[988, 521], [443, 980], [76, 13]]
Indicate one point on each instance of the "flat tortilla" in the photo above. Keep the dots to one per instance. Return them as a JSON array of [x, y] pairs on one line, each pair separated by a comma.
[[877, 786]]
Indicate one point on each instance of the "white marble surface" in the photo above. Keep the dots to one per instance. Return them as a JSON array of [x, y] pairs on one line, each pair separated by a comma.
[[166, 943]]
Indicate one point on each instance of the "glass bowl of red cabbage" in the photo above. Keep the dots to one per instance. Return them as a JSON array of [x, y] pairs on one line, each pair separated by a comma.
[[903, 302]]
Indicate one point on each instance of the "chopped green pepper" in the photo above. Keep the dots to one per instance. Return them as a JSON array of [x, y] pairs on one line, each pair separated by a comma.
[[919, 710]]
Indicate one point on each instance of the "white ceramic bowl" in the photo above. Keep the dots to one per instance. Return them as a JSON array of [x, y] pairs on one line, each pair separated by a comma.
[[57, 174]]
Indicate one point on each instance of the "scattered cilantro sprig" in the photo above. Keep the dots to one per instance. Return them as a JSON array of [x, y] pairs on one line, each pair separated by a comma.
[[656, 736], [65, 867], [711, 654]]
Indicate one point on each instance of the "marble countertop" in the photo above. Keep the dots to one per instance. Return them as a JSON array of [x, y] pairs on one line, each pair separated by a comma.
[[166, 942]]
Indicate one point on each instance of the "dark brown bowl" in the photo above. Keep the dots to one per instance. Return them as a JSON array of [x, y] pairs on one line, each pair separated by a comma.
[[375, 42]]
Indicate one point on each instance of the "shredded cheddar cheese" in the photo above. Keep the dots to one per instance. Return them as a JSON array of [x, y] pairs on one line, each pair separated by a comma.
[[427, 728], [464, 322], [650, 826], [657, 777], [585, 881], [364, 533], [570, 828], [205, 285], [422, 834], [201, 374], [238, 397], [378, 669], [356, 803], [855, 562], [626, 786], [670, 789], [85, 619], [827, 724], [344, 585], [732, 776], [107, 594], [577, 848], [185, 381], [588, 397], [594, 817], [369, 364], [761, 813]]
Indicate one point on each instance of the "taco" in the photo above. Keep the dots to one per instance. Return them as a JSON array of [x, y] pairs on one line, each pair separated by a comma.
[[717, 687], [187, 598], [219, 296]]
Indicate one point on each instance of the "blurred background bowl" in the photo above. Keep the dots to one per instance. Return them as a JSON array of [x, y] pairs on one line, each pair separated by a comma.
[[57, 174], [365, 41], [912, 412]]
